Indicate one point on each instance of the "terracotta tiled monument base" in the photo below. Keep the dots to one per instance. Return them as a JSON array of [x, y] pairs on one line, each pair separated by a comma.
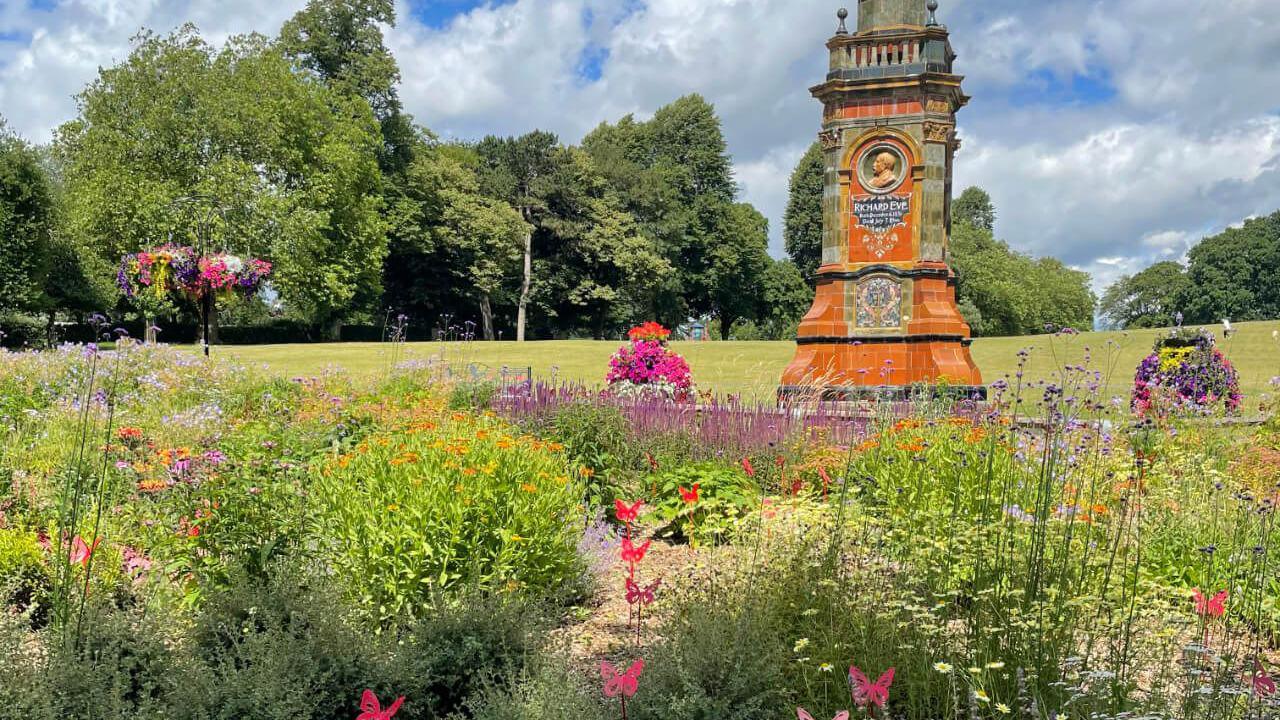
[[884, 320]]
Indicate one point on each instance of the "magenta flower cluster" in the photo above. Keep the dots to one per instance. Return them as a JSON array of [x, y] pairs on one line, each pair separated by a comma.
[[1197, 379], [649, 362]]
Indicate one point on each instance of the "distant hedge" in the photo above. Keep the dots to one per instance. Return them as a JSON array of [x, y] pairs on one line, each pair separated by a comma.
[[27, 331]]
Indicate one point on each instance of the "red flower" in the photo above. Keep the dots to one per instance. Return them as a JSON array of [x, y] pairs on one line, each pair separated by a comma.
[[649, 331], [746, 465], [690, 496], [653, 463]]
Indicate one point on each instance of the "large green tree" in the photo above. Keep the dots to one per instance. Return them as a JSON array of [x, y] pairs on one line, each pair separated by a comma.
[[785, 297], [278, 165], [1235, 274], [974, 208], [1003, 292], [341, 42], [674, 175], [26, 225], [1145, 299], [802, 231], [468, 242]]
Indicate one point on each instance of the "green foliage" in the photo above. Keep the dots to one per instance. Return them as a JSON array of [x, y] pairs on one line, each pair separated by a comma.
[[1012, 293], [25, 577], [293, 179], [280, 647], [446, 501], [784, 299], [26, 225], [472, 394], [1146, 299], [802, 234], [451, 654], [725, 494], [975, 209], [1235, 274], [549, 689]]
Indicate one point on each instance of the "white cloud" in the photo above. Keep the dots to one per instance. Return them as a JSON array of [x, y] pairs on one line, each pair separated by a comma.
[[1111, 133]]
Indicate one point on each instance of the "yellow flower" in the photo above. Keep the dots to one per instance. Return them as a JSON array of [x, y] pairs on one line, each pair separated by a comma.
[[801, 644], [1004, 709], [994, 665], [825, 667], [942, 667], [975, 670], [982, 695], [516, 538], [393, 507]]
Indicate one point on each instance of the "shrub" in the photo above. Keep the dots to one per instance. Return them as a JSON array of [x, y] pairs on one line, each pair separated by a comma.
[[24, 575], [447, 500], [455, 649], [725, 494]]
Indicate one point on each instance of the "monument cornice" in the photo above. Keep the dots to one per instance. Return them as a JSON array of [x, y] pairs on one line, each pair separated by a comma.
[[862, 86]]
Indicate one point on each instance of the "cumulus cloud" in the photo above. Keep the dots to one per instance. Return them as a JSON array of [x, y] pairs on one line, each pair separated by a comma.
[[1110, 133]]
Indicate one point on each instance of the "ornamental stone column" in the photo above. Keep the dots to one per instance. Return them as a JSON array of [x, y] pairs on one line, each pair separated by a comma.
[[884, 317]]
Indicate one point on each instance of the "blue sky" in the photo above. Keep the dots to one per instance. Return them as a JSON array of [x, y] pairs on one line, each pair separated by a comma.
[[1111, 133]]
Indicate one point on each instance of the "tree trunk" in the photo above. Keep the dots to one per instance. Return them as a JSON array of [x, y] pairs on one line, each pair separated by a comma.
[[528, 279], [726, 324], [148, 330], [486, 317], [334, 331], [50, 329]]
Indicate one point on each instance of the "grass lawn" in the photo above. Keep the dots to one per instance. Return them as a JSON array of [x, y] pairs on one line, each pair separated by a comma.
[[753, 368]]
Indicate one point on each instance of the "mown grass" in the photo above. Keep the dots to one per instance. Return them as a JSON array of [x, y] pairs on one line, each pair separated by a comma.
[[753, 369]]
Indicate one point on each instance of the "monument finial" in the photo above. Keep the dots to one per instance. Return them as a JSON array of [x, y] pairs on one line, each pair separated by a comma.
[[933, 9], [843, 14]]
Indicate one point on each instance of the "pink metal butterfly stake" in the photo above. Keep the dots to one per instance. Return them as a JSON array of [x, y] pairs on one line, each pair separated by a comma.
[[802, 714], [1209, 609], [81, 551], [1213, 607], [866, 693], [1264, 685], [621, 685], [637, 599], [371, 709]]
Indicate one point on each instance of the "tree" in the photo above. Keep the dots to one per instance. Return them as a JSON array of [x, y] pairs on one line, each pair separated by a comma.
[[284, 167], [736, 260], [974, 208], [521, 171], [1145, 299], [479, 239], [802, 232], [784, 299], [1235, 274], [26, 225], [341, 42], [1002, 292]]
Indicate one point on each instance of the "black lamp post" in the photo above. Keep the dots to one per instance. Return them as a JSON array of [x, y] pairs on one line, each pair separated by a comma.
[[203, 223]]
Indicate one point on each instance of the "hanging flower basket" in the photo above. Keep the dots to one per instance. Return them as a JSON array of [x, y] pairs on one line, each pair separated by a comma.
[[172, 270]]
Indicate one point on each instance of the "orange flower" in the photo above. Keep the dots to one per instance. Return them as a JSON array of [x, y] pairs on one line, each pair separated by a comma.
[[409, 457], [469, 472], [529, 488], [914, 447]]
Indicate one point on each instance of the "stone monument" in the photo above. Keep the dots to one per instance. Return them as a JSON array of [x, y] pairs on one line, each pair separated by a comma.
[[884, 316]]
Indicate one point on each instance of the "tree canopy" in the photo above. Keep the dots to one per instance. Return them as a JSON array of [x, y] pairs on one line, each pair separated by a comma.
[[802, 233], [181, 136]]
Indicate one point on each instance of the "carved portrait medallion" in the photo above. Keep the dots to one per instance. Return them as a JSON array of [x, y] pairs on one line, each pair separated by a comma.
[[882, 168]]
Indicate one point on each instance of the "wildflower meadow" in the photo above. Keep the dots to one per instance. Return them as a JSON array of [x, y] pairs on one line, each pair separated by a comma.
[[195, 538]]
